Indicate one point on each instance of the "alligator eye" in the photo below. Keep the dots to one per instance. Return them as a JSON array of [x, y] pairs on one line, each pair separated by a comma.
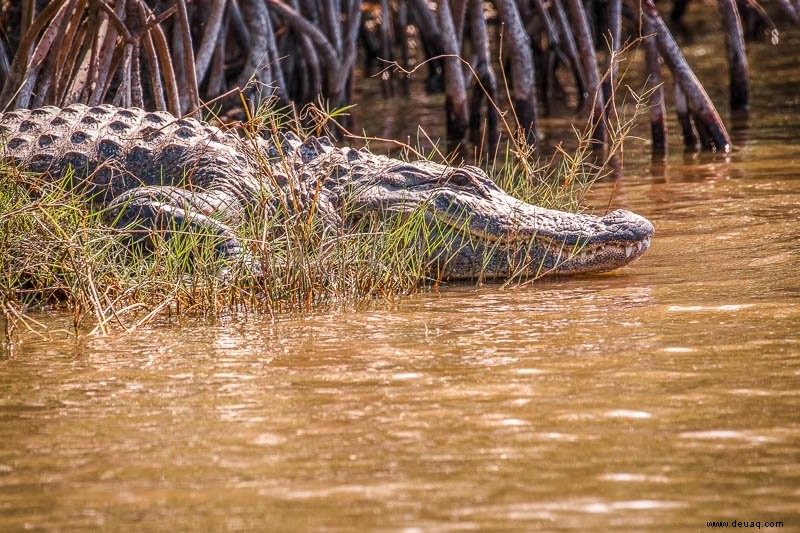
[[460, 179]]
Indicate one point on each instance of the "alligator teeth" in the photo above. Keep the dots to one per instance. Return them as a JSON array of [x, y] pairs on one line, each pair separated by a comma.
[[628, 250]]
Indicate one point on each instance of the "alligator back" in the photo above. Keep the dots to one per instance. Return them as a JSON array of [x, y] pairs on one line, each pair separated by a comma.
[[113, 150]]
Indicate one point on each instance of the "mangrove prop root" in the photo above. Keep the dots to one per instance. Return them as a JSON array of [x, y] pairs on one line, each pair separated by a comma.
[[173, 54]]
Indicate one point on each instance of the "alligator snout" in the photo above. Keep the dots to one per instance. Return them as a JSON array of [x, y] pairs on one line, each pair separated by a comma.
[[624, 225]]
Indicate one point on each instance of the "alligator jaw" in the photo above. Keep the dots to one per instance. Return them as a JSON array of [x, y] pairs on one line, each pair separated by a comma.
[[536, 242], [597, 258], [609, 242]]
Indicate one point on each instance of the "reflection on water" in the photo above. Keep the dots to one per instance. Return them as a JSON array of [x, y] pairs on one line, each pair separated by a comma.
[[655, 398]]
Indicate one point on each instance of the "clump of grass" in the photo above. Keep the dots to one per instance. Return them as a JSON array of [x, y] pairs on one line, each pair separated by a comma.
[[53, 248]]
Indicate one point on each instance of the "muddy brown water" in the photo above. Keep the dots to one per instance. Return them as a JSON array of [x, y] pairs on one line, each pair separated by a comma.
[[656, 398]]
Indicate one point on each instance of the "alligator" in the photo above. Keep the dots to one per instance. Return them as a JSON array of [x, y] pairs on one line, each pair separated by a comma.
[[151, 171]]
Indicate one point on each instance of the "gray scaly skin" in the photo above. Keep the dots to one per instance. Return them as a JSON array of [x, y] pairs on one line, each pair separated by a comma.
[[152, 171]]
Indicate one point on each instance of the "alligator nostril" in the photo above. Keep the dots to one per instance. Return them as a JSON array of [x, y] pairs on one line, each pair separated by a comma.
[[618, 214]]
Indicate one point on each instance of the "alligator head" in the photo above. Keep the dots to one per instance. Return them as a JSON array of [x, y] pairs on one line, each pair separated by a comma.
[[483, 232]]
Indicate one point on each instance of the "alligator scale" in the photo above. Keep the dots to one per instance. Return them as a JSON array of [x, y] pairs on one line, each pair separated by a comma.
[[151, 172]]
